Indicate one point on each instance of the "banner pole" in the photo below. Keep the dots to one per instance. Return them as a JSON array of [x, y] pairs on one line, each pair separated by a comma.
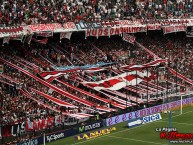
[[170, 122], [44, 138], [181, 105]]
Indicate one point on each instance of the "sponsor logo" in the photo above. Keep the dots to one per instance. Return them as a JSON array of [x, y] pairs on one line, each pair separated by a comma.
[[117, 119], [110, 122], [136, 114], [90, 127], [95, 134], [151, 118], [144, 120], [130, 115], [135, 122], [124, 117], [54, 137]]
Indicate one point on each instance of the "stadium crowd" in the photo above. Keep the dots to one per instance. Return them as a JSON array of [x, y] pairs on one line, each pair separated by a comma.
[[177, 49], [16, 107], [111, 52], [21, 12]]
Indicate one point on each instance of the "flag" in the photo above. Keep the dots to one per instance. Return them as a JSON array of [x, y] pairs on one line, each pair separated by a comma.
[[43, 41], [51, 75], [65, 35], [35, 125], [50, 121], [17, 37], [42, 124], [58, 120], [6, 40], [129, 38], [28, 39], [45, 33], [29, 126]]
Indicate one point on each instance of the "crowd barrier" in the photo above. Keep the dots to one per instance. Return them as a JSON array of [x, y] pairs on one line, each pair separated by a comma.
[[107, 122], [147, 111], [64, 133]]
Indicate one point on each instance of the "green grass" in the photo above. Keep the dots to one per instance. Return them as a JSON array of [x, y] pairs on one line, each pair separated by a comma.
[[142, 135]]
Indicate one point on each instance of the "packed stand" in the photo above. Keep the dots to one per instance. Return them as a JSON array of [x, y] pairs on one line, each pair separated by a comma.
[[48, 11]]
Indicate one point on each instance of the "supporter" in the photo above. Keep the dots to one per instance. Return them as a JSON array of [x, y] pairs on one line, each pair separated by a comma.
[[45, 11], [16, 107]]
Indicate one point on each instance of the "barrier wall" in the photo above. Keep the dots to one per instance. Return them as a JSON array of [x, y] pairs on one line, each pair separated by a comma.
[[145, 112], [64, 133], [108, 122]]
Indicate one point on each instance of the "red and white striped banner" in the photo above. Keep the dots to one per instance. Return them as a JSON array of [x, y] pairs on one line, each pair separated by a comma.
[[120, 81], [150, 64], [172, 29], [54, 100]]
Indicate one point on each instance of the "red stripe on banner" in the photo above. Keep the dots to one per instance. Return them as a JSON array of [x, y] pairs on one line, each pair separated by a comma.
[[27, 94], [94, 70], [6, 83], [55, 100], [180, 76], [9, 78], [55, 74], [112, 103], [27, 62], [130, 77], [150, 64]]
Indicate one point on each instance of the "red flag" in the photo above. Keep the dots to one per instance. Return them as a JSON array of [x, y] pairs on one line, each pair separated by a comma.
[[50, 121]]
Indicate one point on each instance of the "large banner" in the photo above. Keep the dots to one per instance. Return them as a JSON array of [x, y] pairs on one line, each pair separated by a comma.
[[145, 112], [103, 28], [12, 130], [108, 31], [69, 27], [172, 29], [45, 27], [120, 81]]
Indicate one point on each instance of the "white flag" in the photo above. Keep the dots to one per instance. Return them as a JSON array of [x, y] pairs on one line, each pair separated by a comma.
[[6, 40], [65, 35]]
